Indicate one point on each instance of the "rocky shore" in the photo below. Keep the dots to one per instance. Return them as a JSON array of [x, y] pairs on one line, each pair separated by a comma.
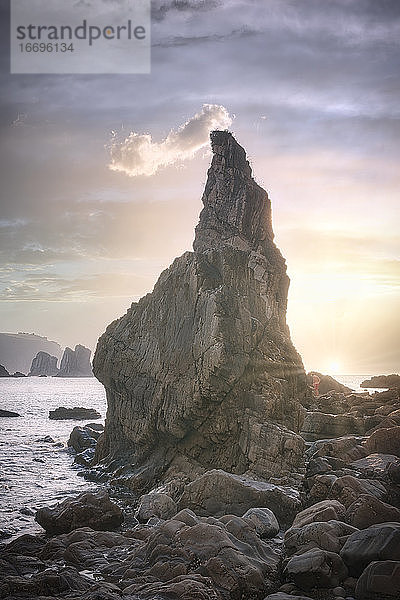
[[240, 482], [225, 536]]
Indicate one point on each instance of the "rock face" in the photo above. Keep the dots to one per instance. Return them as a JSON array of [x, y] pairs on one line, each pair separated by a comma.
[[76, 363], [44, 364], [201, 373]]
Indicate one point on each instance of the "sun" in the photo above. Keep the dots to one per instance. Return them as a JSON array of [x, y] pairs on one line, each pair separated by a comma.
[[334, 367]]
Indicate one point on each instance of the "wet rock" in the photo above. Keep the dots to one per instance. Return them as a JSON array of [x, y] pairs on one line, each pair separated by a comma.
[[378, 542], [228, 558], [347, 489], [87, 510], [8, 413], [379, 580], [368, 510], [384, 441], [218, 493], [316, 569], [263, 520], [77, 413], [375, 466], [326, 510], [202, 371], [82, 438], [155, 505], [328, 535], [51, 582], [27, 545]]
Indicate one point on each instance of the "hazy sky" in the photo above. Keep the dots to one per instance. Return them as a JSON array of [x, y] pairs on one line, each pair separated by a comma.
[[102, 175]]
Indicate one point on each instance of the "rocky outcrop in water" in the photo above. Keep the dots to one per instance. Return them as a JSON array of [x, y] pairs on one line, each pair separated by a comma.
[[77, 413], [76, 363], [4, 372], [44, 365], [382, 381], [201, 373]]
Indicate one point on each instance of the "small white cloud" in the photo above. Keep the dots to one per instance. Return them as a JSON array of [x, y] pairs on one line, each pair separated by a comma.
[[139, 155]]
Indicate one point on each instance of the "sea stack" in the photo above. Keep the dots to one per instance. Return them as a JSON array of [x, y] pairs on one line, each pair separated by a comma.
[[76, 363], [201, 373], [44, 365]]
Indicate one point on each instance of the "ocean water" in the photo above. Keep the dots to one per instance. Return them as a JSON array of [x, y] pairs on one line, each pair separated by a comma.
[[35, 473]]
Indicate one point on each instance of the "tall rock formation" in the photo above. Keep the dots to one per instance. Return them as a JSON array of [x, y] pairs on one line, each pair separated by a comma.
[[201, 373], [76, 363], [44, 364]]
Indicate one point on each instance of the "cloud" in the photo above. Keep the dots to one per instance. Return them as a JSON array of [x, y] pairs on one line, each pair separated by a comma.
[[139, 155]]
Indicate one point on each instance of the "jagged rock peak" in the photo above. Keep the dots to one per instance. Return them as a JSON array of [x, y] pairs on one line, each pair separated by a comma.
[[237, 211], [201, 373], [44, 365]]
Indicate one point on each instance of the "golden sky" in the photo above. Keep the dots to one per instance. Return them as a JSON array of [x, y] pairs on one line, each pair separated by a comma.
[[102, 176]]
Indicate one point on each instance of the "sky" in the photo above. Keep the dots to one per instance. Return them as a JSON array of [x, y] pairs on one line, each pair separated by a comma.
[[102, 175]]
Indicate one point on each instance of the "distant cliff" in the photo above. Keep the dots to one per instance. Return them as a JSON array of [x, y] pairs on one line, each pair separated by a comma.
[[17, 350], [44, 364], [76, 363]]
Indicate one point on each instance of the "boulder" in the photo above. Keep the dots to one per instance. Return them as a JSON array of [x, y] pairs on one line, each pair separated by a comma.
[[379, 580], [85, 437], [384, 441], [87, 510], [217, 493], [367, 510], [375, 466], [202, 371], [347, 449], [326, 510], [328, 535], [318, 425], [78, 413], [8, 413], [228, 559], [347, 489], [316, 569], [51, 583], [263, 520], [43, 365], [377, 542], [155, 505]]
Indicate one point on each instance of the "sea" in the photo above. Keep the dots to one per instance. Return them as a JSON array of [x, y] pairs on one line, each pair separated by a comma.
[[36, 471]]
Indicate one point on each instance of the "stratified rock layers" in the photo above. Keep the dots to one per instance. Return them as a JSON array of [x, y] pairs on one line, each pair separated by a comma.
[[201, 373], [44, 364], [76, 363]]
